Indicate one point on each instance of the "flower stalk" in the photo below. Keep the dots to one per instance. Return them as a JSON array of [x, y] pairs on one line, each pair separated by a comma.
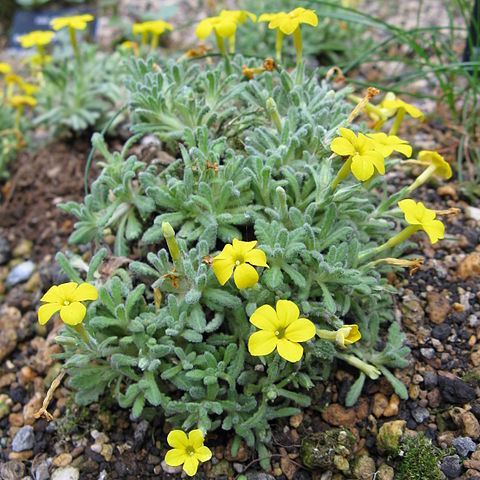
[[369, 370]]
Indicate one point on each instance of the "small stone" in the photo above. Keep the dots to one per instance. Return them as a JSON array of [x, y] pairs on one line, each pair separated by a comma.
[[24, 439], [27, 374], [62, 460], [392, 407], [10, 318], [241, 456], [23, 249], [451, 466], [139, 434], [259, 476], [5, 252], [470, 266], [364, 468], [288, 468], [66, 473], [438, 306], [455, 391], [472, 213], [5, 403], [464, 446], [470, 424], [12, 470], [33, 284], [389, 436], [221, 469], [385, 472], [168, 469], [107, 451], [420, 414], [380, 403], [32, 407], [447, 191], [41, 472], [430, 380], [339, 416], [441, 332], [20, 273], [25, 455], [427, 353], [296, 420]]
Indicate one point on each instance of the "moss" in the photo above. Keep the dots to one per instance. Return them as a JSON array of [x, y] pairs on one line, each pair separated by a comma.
[[421, 459]]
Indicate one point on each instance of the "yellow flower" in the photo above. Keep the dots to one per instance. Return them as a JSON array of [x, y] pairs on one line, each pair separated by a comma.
[[66, 298], [223, 26], [76, 22], [187, 451], [280, 329], [21, 100], [238, 16], [422, 218], [441, 167], [239, 258], [5, 67], [29, 88], [387, 144], [11, 78], [363, 159], [397, 104], [287, 23], [36, 38], [347, 335]]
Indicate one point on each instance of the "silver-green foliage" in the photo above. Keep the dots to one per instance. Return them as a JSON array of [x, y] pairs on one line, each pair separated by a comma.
[[187, 353], [79, 93]]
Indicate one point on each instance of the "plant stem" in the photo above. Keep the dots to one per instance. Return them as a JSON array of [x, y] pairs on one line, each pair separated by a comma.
[[397, 122], [73, 40], [80, 329], [297, 42], [278, 45], [342, 174], [422, 178]]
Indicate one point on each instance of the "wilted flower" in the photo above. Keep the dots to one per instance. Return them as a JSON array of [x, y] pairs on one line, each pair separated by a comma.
[[187, 451], [281, 329], [346, 335], [238, 259], [67, 299]]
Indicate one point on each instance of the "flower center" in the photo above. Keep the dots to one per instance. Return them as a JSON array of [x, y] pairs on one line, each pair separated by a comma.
[[190, 451], [280, 333], [66, 302]]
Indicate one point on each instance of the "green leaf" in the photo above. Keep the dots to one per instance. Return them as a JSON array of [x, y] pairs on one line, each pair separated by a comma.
[[355, 390]]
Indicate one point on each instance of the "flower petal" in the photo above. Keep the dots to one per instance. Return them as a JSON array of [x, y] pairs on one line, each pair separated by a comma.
[[222, 266], [300, 330], [348, 134], [405, 149], [175, 457], [204, 454], [362, 167], [196, 438], [204, 29], [265, 318], [45, 312], [241, 248], [226, 28], [245, 276], [73, 314], [84, 291], [435, 230], [262, 343], [290, 351], [66, 290], [53, 295], [408, 207], [341, 146], [190, 466], [177, 439], [256, 257], [287, 312], [378, 161]]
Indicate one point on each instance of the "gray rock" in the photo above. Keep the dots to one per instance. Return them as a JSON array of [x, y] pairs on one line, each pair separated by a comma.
[[259, 476], [5, 250], [451, 466], [41, 472], [427, 353], [168, 469], [66, 473], [420, 414], [20, 273], [24, 439], [464, 446], [139, 434], [12, 470], [430, 380]]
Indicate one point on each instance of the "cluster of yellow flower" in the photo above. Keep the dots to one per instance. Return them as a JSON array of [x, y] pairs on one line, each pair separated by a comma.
[[17, 100], [41, 38], [224, 26], [365, 157]]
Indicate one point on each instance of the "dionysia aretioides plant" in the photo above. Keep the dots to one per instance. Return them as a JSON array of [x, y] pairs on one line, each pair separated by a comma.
[[240, 270]]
